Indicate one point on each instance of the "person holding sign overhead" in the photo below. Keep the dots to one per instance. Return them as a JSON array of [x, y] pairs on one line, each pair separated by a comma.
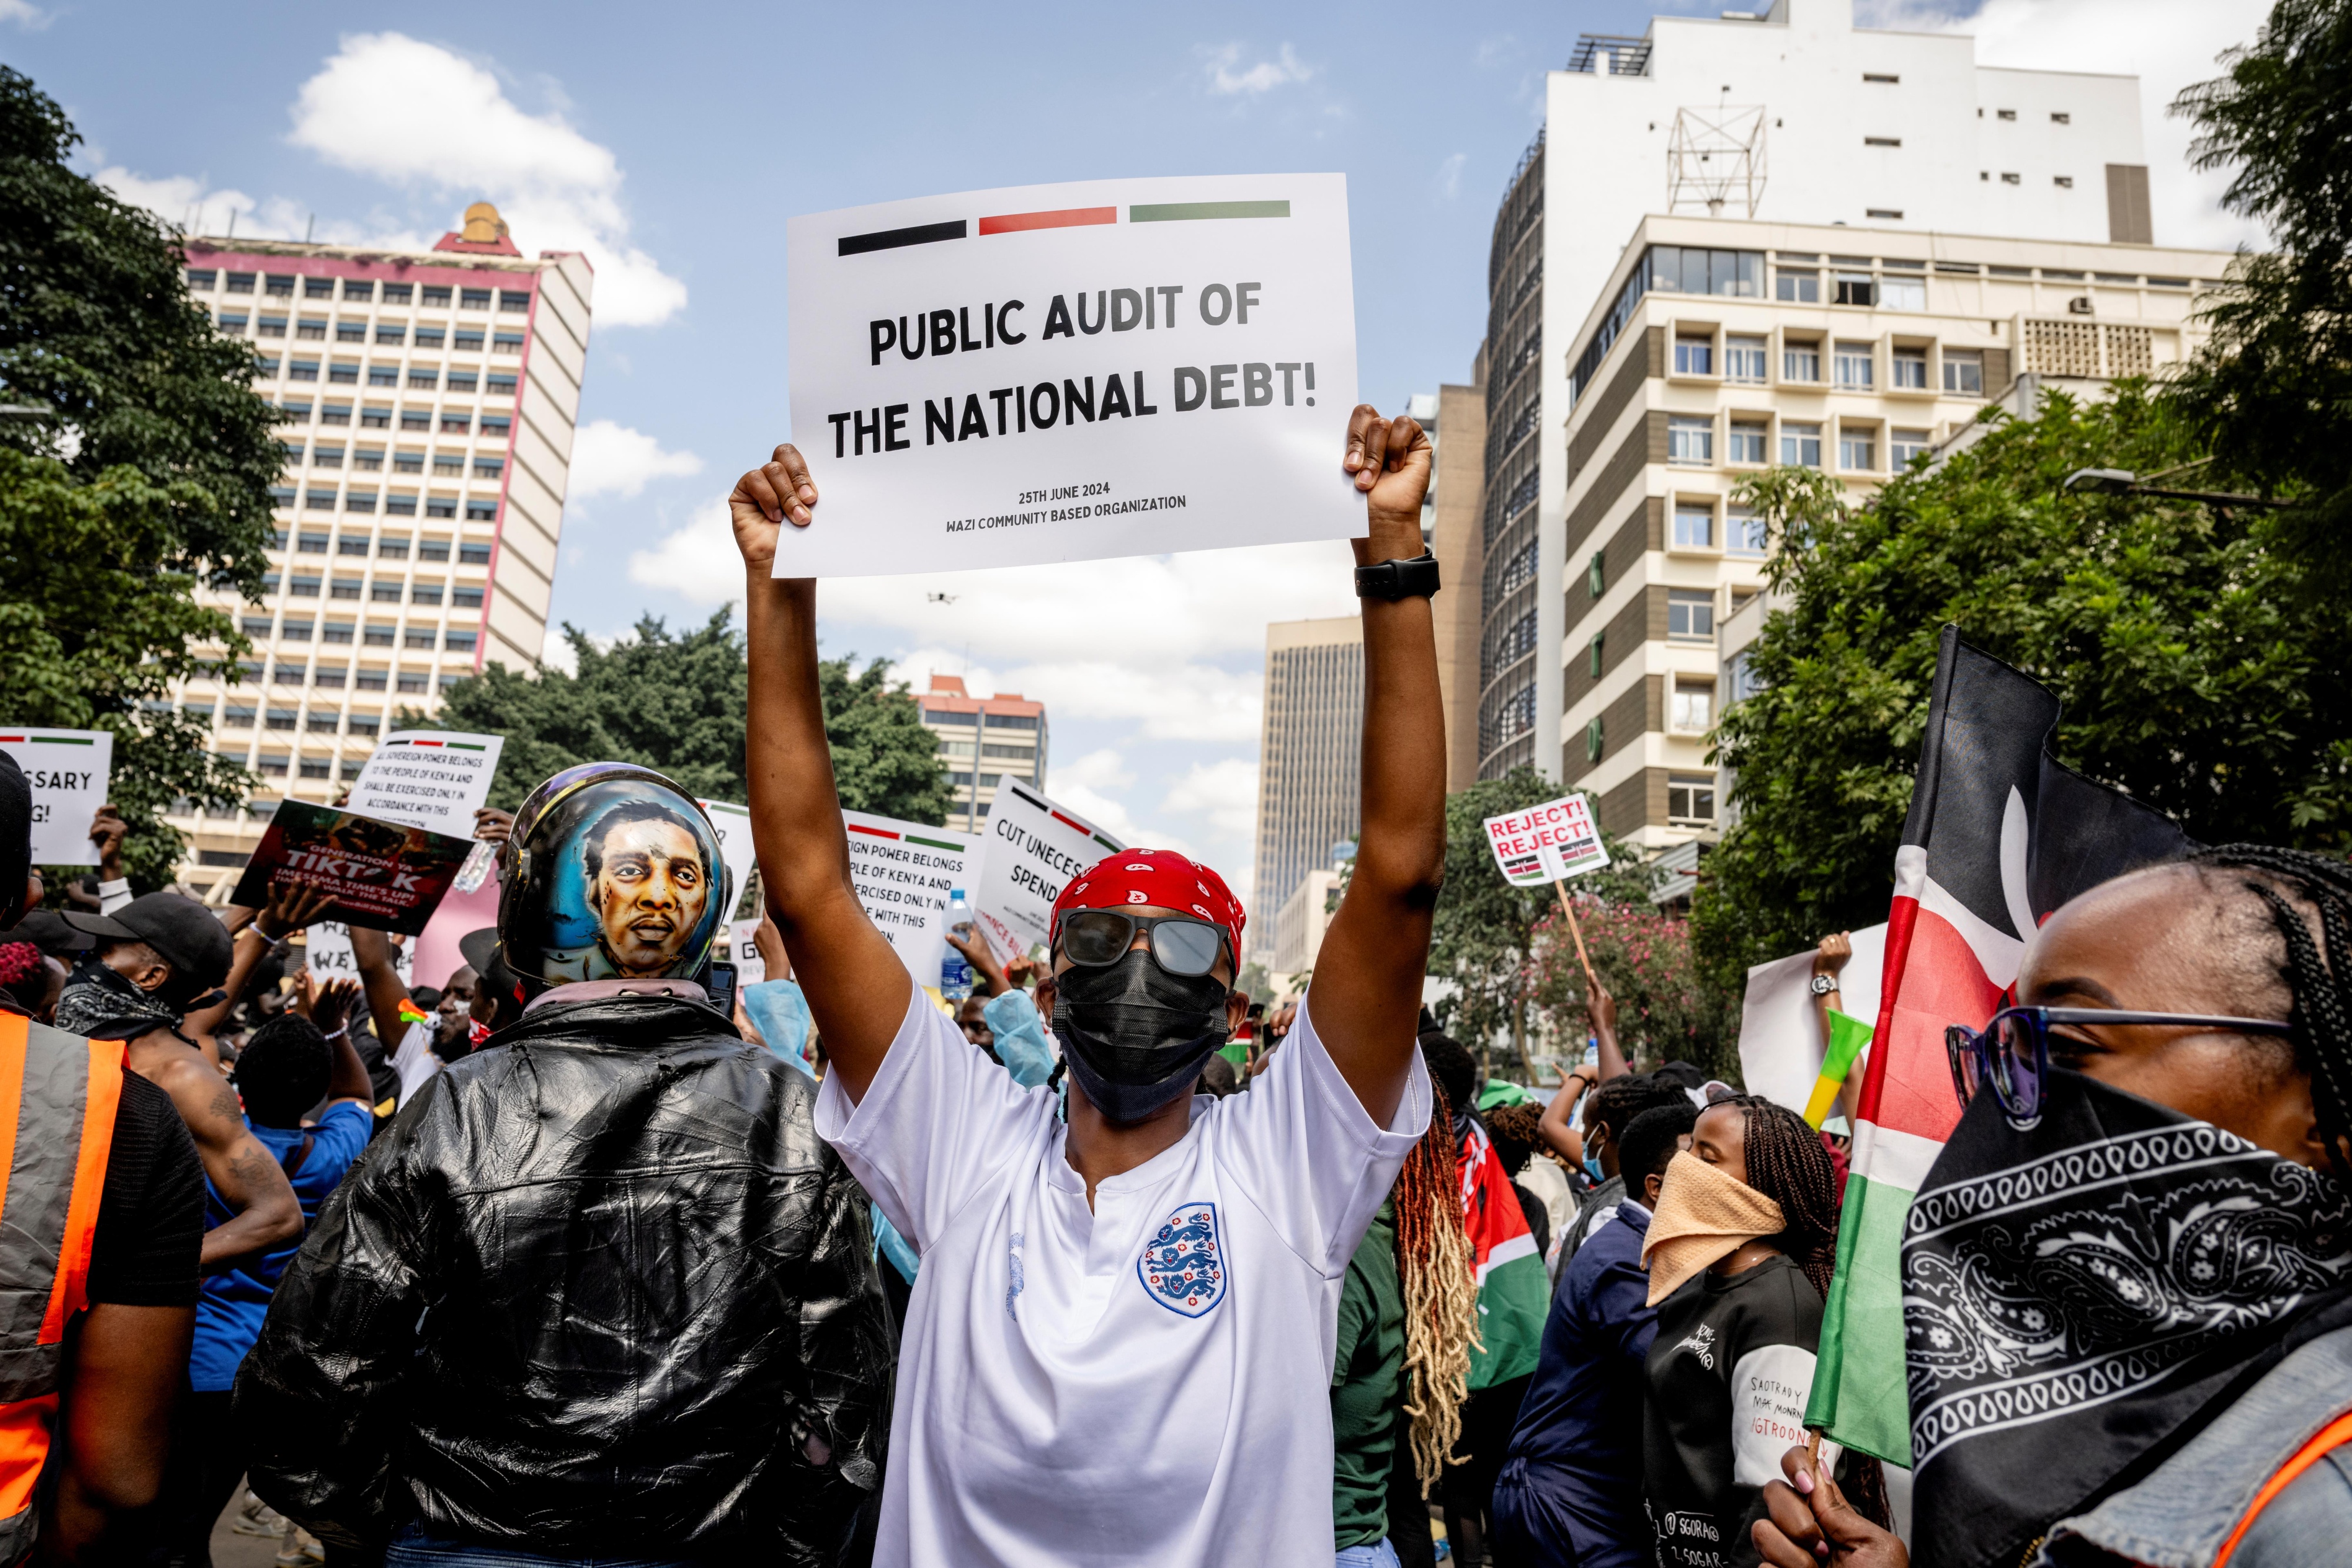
[[1119, 1346]]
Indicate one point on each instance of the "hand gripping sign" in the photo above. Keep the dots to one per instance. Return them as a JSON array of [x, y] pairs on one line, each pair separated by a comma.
[[1069, 373], [1551, 843]]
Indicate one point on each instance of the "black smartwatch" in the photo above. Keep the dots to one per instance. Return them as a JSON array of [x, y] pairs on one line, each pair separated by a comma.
[[1394, 579]]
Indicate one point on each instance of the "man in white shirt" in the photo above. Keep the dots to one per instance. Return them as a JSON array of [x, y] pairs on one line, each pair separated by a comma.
[[1120, 1343]]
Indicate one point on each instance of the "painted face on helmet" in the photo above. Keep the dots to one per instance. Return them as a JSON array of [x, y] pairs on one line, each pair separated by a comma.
[[648, 886]]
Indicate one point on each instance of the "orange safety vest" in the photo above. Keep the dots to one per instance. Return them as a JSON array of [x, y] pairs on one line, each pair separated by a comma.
[[59, 1095], [2325, 1441]]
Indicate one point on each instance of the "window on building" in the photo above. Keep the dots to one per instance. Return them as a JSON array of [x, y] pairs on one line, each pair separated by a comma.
[[364, 723], [273, 765], [1689, 440], [1797, 285], [391, 333], [1902, 293], [313, 329], [425, 594], [310, 544], [232, 322], [513, 299], [1855, 366], [436, 294], [440, 506], [479, 556], [2013, 179], [301, 587], [1857, 449], [344, 589], [334, 414], [1692, 269], [1690, 800], [375, 418], [1693, 525], [458, 642], [1800, 362], [319, 501], [282, 495], [1910, 368], [384, 375], [377, 635], [1902, 445], [1743, 532], [359, 288], [397, 293], [2006, 113], [1747, 441], [359, 501], [411, 682], [343, 375], [336, 632], [1856, 289], [281, 719], [468, 339], [451, 464], [351, 544], [465, 599], [237, 717], [255, 626], [496, 426], [1964, 371], [318, 767], [201, 277], [506, 342], [1693, 356], [1690, 615], [461, 380], [1693, 711], [279, 284], [417, 419], [325, 457], [1743, 358], [1801, 445], [422, 380], [400, 506], [481, 511], [303, 370], [371, 680], [500, 384], [1594, 655], [384, 593], [433, 549], [474, 300], [392, 549], [240, 282], [417, 636], [430, 337], [408, 462], [368, 458]]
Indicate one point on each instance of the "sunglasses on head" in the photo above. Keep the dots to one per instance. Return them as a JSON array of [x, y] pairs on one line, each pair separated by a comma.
[[2012, 1053], [1180, 943]]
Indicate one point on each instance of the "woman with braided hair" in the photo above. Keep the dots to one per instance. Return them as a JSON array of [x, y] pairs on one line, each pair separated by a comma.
[[2144, 1199]]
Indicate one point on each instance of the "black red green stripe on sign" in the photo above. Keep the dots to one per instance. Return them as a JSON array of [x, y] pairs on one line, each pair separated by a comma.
[[48, 741], [1062, 218], [905, 837], [448, 745]]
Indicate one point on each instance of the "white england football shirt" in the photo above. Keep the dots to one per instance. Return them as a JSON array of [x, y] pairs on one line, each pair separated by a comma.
[[1147, 1382]]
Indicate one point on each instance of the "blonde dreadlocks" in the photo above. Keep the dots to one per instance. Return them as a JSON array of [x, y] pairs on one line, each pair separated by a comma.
[[1441, 1291]]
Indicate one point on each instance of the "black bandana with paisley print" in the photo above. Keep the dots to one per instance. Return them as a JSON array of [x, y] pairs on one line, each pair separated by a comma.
[[2079, 1296]]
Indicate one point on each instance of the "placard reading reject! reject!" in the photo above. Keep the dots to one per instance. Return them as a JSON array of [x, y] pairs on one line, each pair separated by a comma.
[[1066, 372]]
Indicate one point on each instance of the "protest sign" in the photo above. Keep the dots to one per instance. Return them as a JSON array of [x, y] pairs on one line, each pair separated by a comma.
[[382, 875], [326, 954], [733, 823], [1034, 847], [1546, 843], [903, 872], [1066, 372], [428, 778], [68, 770], [1780, 1039]]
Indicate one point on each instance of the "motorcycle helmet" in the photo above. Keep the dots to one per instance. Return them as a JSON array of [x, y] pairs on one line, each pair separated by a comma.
[[611, 872]]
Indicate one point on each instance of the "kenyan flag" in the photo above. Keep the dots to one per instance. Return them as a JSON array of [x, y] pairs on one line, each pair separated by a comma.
[[1513, 1292]]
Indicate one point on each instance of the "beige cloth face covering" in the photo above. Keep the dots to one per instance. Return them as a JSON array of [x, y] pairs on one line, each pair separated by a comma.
[[1702, 1215]]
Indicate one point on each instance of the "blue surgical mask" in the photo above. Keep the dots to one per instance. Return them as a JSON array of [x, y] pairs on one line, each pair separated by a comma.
[[1592, 1169]]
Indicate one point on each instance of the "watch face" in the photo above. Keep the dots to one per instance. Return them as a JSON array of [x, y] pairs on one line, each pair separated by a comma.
[[1824, 983]]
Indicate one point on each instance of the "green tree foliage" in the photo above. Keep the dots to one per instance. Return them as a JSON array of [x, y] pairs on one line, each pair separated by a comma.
[[149, 476], [2271, 391], [2190, 676], [676, 703], [1665, 1010], [1484, 937]]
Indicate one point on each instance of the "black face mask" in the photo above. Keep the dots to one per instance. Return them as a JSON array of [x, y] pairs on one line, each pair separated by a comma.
[[1135, 1035]]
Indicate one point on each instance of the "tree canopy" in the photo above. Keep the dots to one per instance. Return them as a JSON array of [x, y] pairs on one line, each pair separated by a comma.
[[676, 703], [2191, 675], [148, 475]]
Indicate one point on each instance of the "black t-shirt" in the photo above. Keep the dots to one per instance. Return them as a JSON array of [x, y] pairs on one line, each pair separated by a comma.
[[1728, 1376], [150, 1214]]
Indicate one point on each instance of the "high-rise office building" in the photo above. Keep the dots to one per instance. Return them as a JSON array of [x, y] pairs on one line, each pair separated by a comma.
[[1791, 117], [983, 740], [1456, 416], [426, 403], [1856, 351], [1310, 760]]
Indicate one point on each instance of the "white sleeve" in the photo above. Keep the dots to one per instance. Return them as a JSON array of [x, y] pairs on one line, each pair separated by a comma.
[[937, 1124], [114, 895], [415, 1061], [1308, 1154], [1769, 1387]]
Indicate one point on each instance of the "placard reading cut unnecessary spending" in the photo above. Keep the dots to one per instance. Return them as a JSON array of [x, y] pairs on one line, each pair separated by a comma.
[[67, 771], [1546, 843], [1067, 373], [1034, 847], [903, 872]]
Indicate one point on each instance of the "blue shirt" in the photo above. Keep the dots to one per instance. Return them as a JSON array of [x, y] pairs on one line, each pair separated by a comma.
[[231, 1304], [1582, 1412]]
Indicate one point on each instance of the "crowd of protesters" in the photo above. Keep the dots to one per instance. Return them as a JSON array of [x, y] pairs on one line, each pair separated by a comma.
[[556, 1261]]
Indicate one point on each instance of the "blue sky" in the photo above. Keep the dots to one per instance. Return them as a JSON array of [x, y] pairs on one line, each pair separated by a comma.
[[673, 145]]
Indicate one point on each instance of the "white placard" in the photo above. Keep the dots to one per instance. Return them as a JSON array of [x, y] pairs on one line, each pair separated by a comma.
[[68, 770], [1780, 1043], [733, 825], [326, 954], [903, 872], [1034, 847], [1072, 372], [428, 778], [1546, 843]]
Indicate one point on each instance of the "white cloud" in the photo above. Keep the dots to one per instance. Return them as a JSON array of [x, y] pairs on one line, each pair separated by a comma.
[[1262, 76], [422, 118], [2167, 44], [1223, 791], [31, 18], [1449, 175], [610, 459], [1081, 784]]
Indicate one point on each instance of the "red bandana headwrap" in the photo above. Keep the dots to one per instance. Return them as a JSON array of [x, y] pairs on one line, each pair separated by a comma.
[[1159, 876]]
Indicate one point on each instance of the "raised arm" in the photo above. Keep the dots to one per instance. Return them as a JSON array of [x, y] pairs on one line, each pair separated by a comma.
[[855, 986], [1365, 997], [371, 956]]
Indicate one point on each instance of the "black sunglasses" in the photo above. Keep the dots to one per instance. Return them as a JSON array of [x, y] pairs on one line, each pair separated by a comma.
[[1180, 944], [2011, 1053]]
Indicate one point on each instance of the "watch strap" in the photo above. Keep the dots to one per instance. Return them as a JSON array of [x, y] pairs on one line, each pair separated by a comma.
[[1399, 579]]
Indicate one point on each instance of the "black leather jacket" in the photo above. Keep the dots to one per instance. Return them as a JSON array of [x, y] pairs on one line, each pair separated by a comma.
[[599, 1290]]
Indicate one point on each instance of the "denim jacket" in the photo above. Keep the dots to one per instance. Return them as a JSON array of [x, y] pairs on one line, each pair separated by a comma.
[[2183, 1512]]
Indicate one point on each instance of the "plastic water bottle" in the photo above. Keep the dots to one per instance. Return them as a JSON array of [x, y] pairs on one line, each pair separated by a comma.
[[955, 970]]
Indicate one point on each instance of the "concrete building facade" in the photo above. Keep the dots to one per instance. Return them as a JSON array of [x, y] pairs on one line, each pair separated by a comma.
[[983, 740], [428, 401], [1458, 418], [1792, 116], [1311, 757]]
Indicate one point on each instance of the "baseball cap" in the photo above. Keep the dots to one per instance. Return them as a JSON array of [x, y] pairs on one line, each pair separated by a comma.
[[182, 932], [47, 929]]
